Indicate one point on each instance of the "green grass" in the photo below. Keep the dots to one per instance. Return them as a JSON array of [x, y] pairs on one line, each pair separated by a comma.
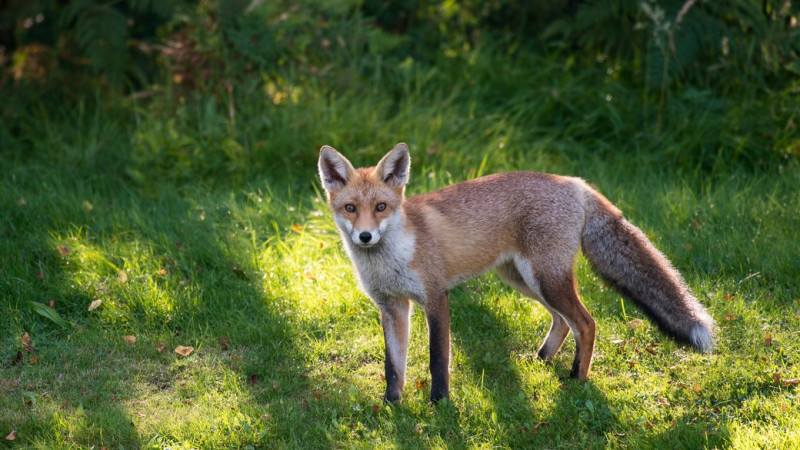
[[202, 228]]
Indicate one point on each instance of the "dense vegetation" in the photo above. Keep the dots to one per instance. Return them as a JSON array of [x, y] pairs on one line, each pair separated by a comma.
[[170, 275]]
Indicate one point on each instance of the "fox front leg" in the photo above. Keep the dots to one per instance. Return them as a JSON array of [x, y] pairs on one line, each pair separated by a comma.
[[395, 320], [438, 316]]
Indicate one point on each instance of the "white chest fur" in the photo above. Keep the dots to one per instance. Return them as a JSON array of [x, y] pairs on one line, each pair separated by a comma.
[[383, 270]]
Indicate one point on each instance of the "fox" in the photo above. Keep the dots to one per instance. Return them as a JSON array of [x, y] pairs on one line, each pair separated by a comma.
[[526, 226]]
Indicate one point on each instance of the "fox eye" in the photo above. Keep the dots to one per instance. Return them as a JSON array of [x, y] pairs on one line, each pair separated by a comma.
[[380, 207], [351, 208]]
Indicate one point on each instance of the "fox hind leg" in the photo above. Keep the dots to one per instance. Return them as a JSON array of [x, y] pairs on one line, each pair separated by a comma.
[[559, 329], [561, 294]]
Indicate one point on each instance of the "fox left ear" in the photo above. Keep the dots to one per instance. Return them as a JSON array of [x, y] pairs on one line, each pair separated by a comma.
[[395, 166]]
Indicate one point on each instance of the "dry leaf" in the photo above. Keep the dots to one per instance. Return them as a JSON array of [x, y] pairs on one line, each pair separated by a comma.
[[160, 347], [11, 436], [697, 387], [791, 382], [40, 275], [34, 360], [768, 340], [252, 379], [52, 304], [64, 250], [311, 276], [297, 228], [184, 351], [275, 384], [419, 384], [26, 340], [122, 277], [317, 394], [662, 401], [776, 377], [224, 343], [729, 317], [94, 304], [162, 273], [129, 339]]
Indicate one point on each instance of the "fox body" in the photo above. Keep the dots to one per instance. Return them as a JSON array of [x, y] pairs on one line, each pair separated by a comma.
[[527, 226]]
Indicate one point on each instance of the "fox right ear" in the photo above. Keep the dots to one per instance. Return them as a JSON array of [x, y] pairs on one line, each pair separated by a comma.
[[334, 169]]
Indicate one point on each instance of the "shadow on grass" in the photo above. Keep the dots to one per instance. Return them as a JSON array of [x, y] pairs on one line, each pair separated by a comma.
[[186, 284], [580, 416], [488, 345]]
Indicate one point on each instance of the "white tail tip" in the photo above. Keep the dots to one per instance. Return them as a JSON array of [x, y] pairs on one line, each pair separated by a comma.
[[702, 338]]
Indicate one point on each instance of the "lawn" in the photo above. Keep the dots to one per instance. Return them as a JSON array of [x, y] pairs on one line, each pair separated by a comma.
[[170, 275]]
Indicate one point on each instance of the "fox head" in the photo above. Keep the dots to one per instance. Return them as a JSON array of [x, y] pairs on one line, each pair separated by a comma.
[[365, 202]]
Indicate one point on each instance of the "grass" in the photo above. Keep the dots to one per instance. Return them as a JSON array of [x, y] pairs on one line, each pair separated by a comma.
[[200, 227]]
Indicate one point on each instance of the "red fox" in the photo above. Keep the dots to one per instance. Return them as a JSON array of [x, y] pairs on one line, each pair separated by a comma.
[[527, 226]]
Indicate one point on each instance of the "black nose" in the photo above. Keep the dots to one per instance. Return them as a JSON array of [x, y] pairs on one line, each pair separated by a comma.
[[365, 236]]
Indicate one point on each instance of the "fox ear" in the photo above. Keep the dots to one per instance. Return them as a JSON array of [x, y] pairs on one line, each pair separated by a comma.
[[395, 166], [334, 169]]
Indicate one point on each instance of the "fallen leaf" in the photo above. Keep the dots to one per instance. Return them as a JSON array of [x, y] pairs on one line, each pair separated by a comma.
[[160, 347], [64, 250], [311, 276], [94, 304], [40, 275], [184, 351], [419, 384], [26, 341], [122, 277], [16, 359], [162, 273], [662, 401], [768, 340], [224, 343], [129, 339], [11, 436], [52, 304], [791, 382], [297, 228], [536, 427], [252, 379], [275, 384], [776, 377], [34, 360], [317, 394], [697, 387], [729, 317]]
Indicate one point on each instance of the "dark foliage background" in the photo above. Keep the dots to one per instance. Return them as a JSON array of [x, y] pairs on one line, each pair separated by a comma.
[[659, 60]]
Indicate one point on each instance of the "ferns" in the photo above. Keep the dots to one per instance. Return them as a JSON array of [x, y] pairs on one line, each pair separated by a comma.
[[690, 41]]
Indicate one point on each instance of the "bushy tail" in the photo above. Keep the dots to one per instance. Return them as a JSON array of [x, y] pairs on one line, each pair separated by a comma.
[[623, 255]]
